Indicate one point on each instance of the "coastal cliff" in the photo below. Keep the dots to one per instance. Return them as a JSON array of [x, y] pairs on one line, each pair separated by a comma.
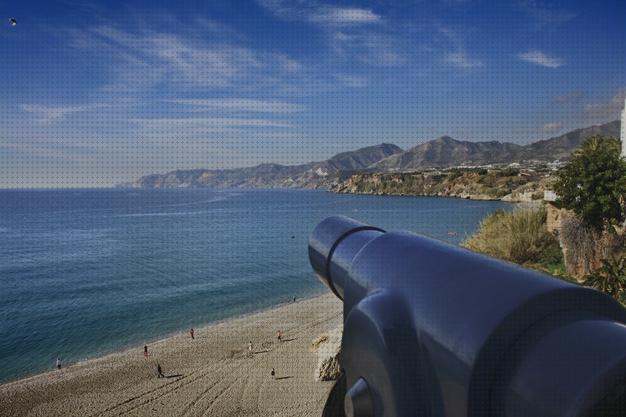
[[507, 184], [351, 170]]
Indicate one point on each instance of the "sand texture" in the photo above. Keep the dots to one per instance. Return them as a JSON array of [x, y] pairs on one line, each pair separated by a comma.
[[213, 375]]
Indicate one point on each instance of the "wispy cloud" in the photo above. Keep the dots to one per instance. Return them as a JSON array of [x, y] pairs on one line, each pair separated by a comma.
[[315, 12], [452, 42], [552, 127], [376, 48], [355, 81], [210, 123], [344, 16], [542, 14], [462, 60], [541, 59], [179, 60], [603, 111], [47, 113], [569, 97], [240, 104], [352, 33]]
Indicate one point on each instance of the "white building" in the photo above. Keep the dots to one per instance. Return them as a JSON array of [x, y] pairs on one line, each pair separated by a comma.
[[623, 134], [549, 195]]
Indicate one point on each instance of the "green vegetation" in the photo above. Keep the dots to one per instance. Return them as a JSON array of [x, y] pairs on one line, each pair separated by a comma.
[[610, 278], [519, 236], [479, 183], [593, 183], [593, 186]]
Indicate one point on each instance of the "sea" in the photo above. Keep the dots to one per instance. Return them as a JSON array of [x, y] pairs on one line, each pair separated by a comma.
[[85, 272]]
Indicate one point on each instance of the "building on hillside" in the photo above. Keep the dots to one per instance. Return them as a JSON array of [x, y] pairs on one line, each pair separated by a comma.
[[549, 195]]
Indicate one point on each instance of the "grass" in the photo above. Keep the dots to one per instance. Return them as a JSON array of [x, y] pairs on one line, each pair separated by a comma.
[[521, 237]]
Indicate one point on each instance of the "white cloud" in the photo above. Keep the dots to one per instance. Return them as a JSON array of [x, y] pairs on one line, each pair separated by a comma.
[[568, 97], [241, 104], [376, 48], [181, 60], [210, 123], [316, 12], [552, 127], [462, 60], [50, 113], [543, 14], [604, 111], [354, 81], [343, 16], [452, 43], [541, 59]]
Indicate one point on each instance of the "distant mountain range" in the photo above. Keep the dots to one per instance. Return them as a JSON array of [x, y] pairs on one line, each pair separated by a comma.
[[310, 175], [444, 152]]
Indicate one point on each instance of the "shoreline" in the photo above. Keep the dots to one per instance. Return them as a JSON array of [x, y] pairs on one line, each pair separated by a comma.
[[156, 339], [127, 378]]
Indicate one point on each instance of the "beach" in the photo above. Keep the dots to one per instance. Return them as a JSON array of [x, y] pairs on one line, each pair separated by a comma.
[[212, 375]]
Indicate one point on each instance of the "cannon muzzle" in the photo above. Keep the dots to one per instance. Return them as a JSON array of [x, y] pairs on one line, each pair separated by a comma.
[[431, 329]]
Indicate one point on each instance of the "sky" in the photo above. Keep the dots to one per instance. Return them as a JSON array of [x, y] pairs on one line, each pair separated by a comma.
[[94, 93]]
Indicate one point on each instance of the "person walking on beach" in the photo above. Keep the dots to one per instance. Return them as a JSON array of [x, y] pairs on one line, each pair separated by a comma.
[[191, 333], [250, 346], [273, 373], [294, 298], [279, 336], [58, 363], [145, 351], [159, 371]]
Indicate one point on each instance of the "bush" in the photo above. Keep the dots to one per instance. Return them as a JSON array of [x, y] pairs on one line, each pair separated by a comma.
[[519, 236], [593, 183], [610, 278]]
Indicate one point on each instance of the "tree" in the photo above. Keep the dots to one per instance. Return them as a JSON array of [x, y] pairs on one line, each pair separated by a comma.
[[593, 183]]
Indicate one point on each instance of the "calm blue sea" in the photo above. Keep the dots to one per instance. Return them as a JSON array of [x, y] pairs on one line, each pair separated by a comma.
[[85, 272]]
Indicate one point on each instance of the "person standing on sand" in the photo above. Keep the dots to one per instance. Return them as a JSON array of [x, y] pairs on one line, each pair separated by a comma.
[[191, 333], [58, 363], [294, 298], [159, 371], [250, 346], [273, 373], [145, 351], [279, 336]]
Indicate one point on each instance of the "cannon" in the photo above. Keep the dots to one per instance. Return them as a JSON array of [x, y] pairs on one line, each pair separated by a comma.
[[435, 330]]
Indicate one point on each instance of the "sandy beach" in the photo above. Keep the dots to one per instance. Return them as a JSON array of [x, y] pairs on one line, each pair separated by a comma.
[[212, 375]]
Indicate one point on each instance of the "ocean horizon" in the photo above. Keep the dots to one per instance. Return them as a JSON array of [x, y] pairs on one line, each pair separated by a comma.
[[86, 272]]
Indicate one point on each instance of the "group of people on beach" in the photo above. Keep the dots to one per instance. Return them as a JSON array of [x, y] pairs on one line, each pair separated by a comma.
[[279, 337], [159, 370]]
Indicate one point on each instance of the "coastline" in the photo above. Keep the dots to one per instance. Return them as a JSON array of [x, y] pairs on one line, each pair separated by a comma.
[[212, 374]]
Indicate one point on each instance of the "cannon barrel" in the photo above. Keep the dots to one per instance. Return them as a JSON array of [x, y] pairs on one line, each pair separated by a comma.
[[431, 329]]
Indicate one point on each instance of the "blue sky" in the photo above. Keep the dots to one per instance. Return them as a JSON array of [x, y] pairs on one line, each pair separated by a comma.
[[95, 93]]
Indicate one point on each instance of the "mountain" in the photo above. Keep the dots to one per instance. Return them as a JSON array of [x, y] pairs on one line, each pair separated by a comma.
[[311, 175], [446, 152], [562, 146], [361, 158]]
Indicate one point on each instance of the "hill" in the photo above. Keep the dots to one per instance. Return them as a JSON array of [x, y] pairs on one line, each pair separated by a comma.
[[311, 175], [443, 152], [446, 152]]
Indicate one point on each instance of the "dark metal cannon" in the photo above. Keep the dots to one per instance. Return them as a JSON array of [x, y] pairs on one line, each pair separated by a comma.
[[432, 329]]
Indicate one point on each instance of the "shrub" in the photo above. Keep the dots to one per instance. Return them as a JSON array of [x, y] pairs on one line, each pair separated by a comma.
[[520, 236], [610, 278], [593, 183]]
